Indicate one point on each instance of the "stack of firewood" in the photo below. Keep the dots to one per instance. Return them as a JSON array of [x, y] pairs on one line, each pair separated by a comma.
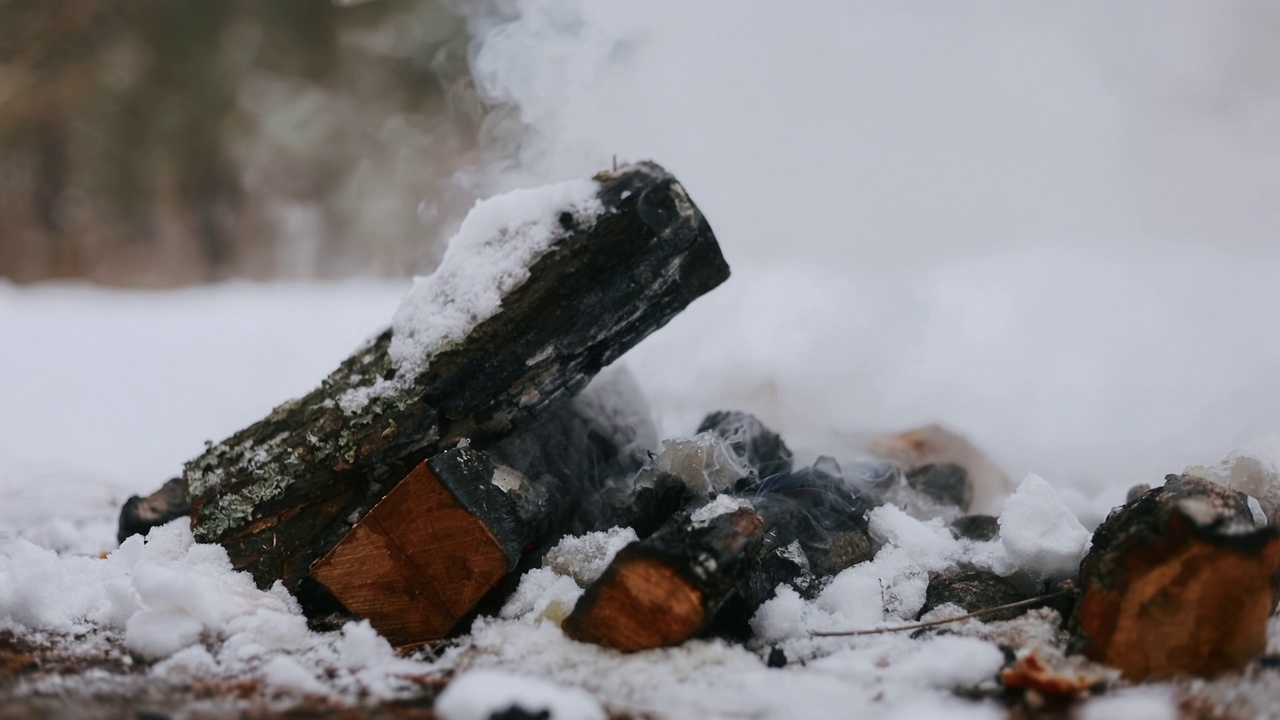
[[418, 510]]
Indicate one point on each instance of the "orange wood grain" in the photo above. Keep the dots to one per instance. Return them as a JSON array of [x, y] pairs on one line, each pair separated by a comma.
[[415, 564], [642, 604], [1188, 605]]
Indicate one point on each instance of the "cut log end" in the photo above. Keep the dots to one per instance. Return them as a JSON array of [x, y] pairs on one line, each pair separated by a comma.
[[1178, 582], [416, 564], [663, 590], [641, 603]]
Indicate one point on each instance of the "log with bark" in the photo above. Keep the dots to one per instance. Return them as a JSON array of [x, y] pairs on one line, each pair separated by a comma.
[[283, 492], [666, 588], [423, 558], [1178, 580]]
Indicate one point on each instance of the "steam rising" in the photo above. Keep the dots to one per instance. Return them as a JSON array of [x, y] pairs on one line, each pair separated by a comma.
[[1049, 225]]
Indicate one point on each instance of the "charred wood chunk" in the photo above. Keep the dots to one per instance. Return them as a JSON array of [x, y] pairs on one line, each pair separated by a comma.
[[665, 589], [651, 506], [140, 514], [763, 450], [974, 590], [422, 559], [945, 483], [977, 527], [281, 493], [1178, 581], [826, 514]]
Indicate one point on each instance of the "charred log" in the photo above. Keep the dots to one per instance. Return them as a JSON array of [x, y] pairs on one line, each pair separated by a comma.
[[665, 589], [282, 493], [140, 514]]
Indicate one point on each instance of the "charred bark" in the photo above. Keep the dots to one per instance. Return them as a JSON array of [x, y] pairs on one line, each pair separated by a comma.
[[1178, 580], [281, 493], [665, 589], [140, 514]]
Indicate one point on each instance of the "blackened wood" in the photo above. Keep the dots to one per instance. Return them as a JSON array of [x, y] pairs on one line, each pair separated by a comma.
[[443, 540], [822, 511], [140, 514], [974, 590], [945, 483], [977, 527], [761, 449], [281, 493], [665, 589], [1178, 581]]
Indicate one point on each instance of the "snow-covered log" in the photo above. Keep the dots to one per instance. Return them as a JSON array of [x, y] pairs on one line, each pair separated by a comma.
[[1178, 581], [538, 292]]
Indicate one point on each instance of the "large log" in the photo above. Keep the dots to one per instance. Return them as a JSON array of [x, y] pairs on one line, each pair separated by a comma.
[[1178, 580], [281, 493]]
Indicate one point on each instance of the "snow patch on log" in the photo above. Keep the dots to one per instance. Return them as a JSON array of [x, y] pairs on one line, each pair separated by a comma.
[[500, 239], [585, 557], [722, 505]]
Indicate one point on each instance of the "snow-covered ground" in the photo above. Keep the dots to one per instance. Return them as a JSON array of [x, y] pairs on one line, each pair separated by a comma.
[[1052, 236], [107, 392]]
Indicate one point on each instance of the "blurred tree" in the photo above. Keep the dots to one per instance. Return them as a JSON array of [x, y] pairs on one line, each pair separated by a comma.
[[165, 141]]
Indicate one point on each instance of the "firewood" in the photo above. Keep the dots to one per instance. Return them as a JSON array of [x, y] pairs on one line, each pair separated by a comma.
[[665, 589], [422, 559], [281, 494], [1178, 581]]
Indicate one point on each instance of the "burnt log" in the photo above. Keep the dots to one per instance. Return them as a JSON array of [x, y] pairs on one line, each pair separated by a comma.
[[444, 539], [1178, 581], [667, 588], [140, 514], [283, 492]]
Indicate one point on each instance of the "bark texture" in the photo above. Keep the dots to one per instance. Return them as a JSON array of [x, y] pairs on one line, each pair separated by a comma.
[[663, 590], [282, 492]]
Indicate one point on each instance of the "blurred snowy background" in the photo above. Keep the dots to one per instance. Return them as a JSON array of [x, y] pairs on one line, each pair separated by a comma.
[[1050, 226]]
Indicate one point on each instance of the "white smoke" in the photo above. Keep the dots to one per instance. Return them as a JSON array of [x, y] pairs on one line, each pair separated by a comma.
[[1051, 225]]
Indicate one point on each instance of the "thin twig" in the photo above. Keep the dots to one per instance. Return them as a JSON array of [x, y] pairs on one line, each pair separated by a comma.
[[933, 623]]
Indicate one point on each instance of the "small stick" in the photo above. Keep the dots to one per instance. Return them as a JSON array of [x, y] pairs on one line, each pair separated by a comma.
[[933, 623]]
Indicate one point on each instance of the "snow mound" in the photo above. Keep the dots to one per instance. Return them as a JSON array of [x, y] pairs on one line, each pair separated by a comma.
[[482, 694], [1040, 533], [585, 557]]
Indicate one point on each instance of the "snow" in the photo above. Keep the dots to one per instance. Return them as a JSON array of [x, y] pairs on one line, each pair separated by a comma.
[[478, 694], [1083, 286], [585, 557], [1040, 533], [721, 505], [500, 239], [1143, 703]]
